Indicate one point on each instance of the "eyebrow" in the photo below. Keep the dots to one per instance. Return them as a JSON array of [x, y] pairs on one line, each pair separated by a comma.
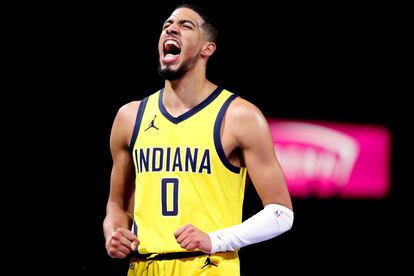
[[182, 21]]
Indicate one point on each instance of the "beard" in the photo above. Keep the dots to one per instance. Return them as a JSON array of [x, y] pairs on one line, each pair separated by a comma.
[[171, 75]]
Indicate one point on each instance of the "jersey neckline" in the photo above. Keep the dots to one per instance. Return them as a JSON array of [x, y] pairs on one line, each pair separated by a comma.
[[190, 112]]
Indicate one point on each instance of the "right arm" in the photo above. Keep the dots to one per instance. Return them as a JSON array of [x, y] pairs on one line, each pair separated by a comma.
[[119, 240]]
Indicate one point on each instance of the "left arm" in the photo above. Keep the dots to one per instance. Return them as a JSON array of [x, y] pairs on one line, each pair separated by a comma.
[[254, 139]]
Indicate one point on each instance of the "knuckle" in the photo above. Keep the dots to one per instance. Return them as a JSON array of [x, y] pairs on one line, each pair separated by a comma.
[[112, 252]]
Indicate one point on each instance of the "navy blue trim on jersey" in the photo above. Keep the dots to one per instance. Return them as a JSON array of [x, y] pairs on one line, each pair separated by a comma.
[[135, 232], [217, 139], [135, 228], [137, 123], [190, 112]]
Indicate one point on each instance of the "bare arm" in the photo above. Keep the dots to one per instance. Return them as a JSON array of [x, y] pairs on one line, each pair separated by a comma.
[[117, 224], [254, 139]]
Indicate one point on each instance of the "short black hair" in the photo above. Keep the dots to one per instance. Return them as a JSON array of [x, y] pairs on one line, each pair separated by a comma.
[[208, 25]]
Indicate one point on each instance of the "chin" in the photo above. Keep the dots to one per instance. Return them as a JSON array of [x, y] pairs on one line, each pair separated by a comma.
[[169, 74]]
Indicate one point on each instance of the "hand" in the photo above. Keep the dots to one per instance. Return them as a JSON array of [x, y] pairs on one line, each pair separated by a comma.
[[190, 237], [121, 243]]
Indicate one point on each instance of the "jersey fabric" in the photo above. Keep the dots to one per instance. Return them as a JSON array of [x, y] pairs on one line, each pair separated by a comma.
[[223, 263], [182, 173]]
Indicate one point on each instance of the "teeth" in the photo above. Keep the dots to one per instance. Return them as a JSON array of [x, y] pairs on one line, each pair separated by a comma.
[[171, 42]]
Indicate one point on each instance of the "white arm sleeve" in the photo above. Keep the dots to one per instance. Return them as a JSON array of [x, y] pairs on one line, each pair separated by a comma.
[[270, 222]]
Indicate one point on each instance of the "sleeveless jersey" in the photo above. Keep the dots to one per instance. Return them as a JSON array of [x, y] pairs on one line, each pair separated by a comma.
[[182, 173]]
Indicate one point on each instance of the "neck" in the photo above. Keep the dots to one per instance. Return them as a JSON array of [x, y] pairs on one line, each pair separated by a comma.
[[183, 94]]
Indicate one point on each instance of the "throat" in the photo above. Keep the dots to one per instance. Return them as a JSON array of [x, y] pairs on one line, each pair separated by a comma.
[[177, 111], [178, 105]]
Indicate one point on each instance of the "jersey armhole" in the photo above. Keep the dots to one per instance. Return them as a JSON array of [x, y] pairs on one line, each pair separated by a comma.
[[137, 125], [217, 138]]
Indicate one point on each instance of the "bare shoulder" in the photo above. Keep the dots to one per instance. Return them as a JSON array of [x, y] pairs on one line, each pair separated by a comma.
[[124, 122], [245, 112], [127, 113], [245, 122], [129, 109]]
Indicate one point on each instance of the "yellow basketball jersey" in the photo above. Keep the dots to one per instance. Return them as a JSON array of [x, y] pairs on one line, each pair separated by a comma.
[[182, 173]]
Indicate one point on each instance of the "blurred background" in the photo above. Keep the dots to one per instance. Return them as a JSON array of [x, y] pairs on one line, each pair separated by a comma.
[[331, 64]]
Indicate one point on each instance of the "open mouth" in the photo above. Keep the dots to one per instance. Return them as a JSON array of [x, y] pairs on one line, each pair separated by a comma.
[[172, 50]]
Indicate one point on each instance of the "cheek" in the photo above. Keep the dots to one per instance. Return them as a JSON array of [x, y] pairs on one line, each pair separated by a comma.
[[160, 46], [191, 49]]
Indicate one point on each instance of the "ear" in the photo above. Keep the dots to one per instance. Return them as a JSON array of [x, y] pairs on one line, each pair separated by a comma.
[[208, 49]]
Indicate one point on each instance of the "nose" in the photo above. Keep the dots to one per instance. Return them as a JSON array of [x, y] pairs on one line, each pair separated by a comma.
[[172, 29]]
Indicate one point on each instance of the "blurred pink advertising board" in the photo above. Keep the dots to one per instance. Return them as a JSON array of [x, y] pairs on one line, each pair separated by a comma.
[[325, 159]]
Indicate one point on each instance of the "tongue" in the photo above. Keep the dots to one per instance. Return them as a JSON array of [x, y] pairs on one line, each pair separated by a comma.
[[169, 58]]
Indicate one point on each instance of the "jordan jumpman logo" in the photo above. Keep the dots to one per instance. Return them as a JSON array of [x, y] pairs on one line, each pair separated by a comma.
[[152, 124]]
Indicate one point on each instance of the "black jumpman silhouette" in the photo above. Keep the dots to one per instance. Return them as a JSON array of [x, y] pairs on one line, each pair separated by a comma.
[[152, 124]]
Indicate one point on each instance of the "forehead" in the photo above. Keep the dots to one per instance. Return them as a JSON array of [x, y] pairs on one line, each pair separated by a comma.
[[186, 14]]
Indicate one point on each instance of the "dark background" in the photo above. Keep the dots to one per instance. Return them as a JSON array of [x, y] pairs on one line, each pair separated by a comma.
[[335, 62]]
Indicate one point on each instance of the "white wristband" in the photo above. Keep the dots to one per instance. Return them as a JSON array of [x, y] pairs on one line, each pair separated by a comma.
[[270, 222]]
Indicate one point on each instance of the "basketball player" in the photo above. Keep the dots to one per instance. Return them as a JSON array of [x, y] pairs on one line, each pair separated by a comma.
[[180, 159]]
